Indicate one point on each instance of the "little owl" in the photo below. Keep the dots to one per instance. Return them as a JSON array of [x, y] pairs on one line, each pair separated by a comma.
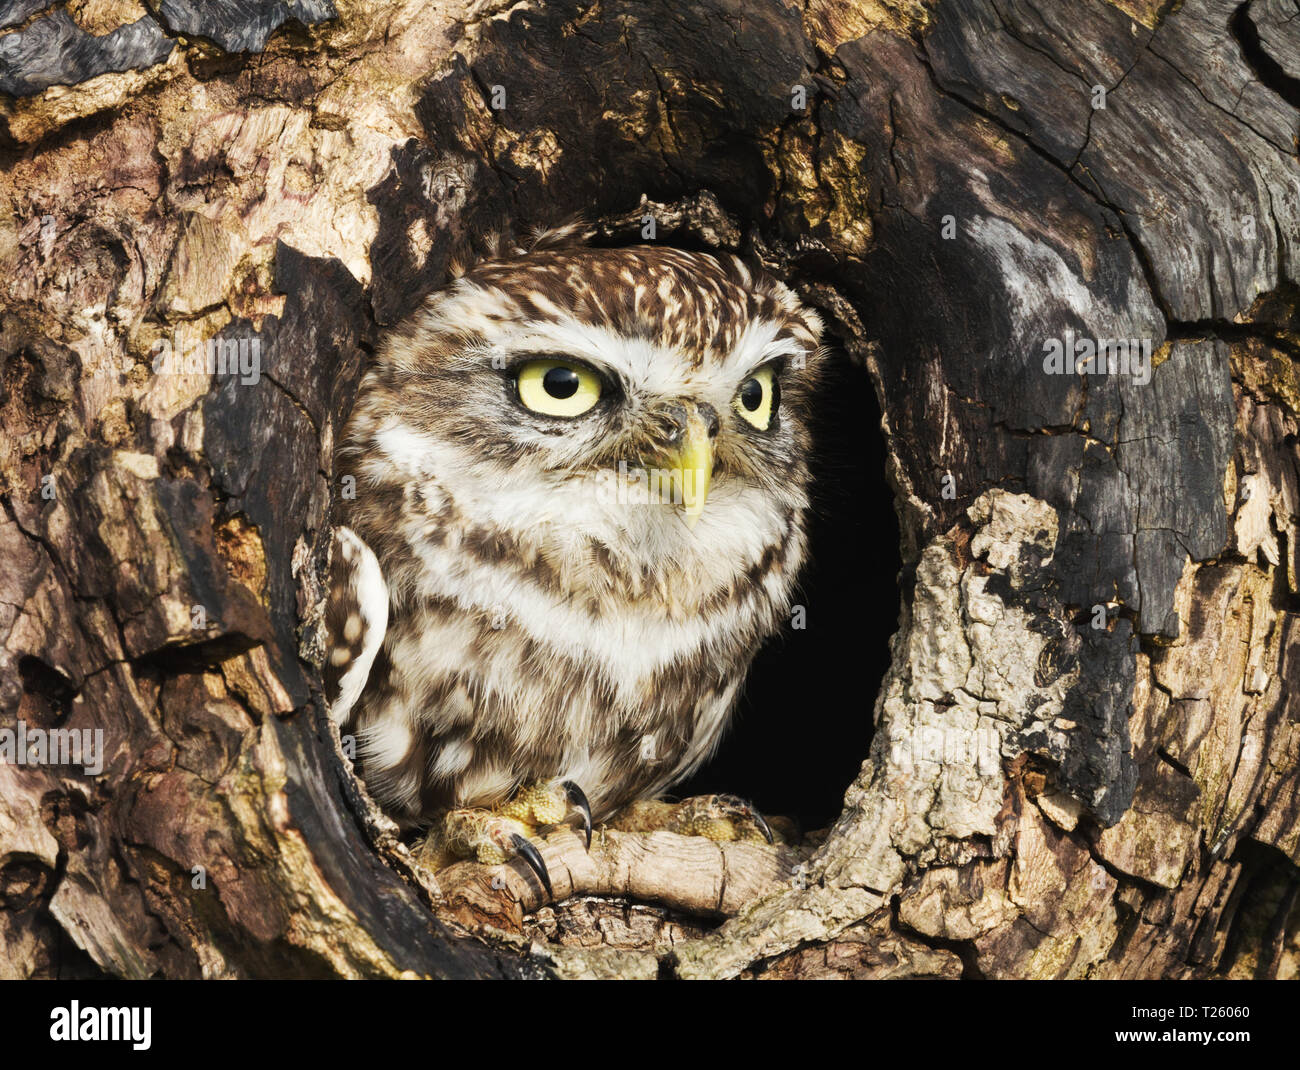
[[581, 484]]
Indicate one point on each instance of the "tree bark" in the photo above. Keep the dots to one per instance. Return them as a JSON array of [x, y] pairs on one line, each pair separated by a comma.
[[1085, 751]]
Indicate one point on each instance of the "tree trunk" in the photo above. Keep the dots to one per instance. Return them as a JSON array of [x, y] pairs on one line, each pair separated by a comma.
[[1085, 752]]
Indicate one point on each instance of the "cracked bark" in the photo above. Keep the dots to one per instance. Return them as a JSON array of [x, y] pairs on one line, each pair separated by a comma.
[[1042, 797]]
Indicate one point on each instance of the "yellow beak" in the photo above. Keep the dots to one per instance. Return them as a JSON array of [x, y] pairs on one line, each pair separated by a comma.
[[692, 467]]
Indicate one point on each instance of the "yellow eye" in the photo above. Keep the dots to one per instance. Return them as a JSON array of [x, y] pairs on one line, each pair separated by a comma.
[[758, 398], [557, 388]]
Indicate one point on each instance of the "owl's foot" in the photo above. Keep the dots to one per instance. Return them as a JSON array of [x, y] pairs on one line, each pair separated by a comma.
[[550, 802], [723, 818], [494, 837]]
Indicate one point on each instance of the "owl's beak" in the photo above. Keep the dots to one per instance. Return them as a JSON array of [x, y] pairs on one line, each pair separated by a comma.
[[692, 463]]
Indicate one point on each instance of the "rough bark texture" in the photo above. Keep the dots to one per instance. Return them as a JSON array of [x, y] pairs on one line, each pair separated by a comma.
[[1053, 790]]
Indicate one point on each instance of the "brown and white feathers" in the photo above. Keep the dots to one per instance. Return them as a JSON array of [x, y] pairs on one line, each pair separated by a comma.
[[509, 602]]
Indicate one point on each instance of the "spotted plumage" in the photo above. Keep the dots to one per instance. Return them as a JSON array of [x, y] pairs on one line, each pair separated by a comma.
[[522, 606]]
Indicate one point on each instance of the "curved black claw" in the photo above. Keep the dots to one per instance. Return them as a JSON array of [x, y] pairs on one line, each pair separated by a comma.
[[746, 809], [530, 854], [578, 800]]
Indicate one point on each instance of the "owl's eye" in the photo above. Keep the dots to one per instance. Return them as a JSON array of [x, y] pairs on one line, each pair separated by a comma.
[[758, 398], [557, 388]]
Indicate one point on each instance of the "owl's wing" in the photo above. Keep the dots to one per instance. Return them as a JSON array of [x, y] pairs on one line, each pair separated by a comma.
[[356, 618]]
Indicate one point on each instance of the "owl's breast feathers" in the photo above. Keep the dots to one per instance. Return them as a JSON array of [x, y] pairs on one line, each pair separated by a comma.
[[499, 668]]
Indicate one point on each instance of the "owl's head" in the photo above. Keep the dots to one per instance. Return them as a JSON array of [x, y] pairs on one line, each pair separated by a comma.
[[641, 396]]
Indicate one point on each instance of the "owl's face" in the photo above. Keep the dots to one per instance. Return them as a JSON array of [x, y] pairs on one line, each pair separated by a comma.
[[647, 400]]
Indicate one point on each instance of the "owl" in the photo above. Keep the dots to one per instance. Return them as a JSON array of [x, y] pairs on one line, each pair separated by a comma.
[[581, 487]]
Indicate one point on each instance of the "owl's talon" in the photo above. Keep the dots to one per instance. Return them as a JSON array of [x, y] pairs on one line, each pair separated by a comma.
[[578, 800], [744, 809], [533, 857], [495, 836], [485, 836], [715, 817]]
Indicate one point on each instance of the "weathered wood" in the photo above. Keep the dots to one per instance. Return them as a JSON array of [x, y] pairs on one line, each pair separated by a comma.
[[1085, 751], [687, 874]]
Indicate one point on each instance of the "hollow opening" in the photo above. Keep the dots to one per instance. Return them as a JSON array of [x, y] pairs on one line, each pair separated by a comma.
[[804, 721]]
